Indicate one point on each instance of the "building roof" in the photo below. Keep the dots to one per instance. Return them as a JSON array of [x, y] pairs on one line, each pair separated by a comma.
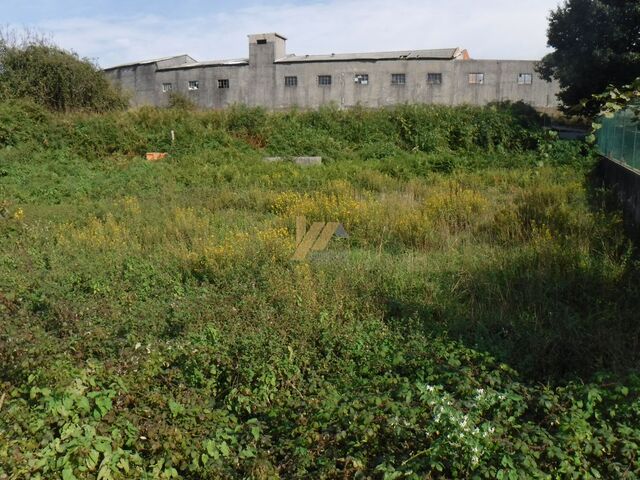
[[148, 62], [209, 63], [434, 54], [263, 35], [437, 54]]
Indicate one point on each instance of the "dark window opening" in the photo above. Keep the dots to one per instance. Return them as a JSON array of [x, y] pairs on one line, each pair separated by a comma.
[[262, 41], [361, 79], [398, 79], [290, 81], [525, 79], [476, 78], [324, 80], [434, 78], [223, 83]]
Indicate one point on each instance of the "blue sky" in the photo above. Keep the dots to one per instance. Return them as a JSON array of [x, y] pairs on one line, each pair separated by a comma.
[[118, 31]]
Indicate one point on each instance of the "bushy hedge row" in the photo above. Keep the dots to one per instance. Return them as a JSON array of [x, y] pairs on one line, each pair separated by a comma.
[[327, 132]]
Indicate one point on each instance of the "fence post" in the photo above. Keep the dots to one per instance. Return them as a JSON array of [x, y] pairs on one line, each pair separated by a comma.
[[636, 153]]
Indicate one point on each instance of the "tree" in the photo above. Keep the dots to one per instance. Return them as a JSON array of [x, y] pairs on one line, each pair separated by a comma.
[[597, 44], [35, 69]]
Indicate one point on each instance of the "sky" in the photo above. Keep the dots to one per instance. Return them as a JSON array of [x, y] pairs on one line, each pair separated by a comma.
[[119, 31]]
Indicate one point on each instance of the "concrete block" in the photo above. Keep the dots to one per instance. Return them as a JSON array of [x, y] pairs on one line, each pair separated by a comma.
[[303, 161]]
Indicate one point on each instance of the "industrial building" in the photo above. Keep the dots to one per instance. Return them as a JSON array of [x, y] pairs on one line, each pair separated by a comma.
[[271, 78]]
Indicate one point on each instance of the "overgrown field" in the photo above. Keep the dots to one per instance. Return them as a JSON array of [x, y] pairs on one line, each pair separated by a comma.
[[480, 322]]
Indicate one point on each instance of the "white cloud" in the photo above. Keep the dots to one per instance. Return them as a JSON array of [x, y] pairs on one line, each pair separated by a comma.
[[488, 29]]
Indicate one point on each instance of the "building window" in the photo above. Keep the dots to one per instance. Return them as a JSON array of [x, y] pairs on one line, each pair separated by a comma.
[[324, 80], [434, 78], [398, 79], [167, 87], [361, 79], [476, 78], [223, 83], [525, 79], [290, 81], [262, 41], [194, 85]]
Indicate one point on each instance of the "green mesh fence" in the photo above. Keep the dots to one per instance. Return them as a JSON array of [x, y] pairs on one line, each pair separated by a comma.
[[619, 138]]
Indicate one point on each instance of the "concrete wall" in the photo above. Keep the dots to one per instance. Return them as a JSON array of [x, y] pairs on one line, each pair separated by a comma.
[[378, 92], [208, 95], [625, 182], [500, 83], [261, 81]]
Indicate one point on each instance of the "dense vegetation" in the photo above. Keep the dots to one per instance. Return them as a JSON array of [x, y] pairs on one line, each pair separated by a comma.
[[481, 321], [34, 69]]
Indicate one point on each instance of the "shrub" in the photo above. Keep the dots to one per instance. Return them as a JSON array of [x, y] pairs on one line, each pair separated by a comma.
[[180, 101], [55, 78], [25, 122]]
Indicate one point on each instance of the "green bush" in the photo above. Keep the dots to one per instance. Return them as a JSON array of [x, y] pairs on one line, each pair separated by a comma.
[[180, 101], [55, 78], [22, 121], [470, 132]]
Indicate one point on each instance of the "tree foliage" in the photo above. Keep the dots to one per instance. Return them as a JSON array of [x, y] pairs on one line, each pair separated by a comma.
[[615, 99], [34, 68], [597, 44]]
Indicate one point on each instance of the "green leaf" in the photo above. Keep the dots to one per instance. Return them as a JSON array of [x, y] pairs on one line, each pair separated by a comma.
[[211, 448], [103, 404], [176, 408], [124, 464], [224, 449], [247, 453], [105, 473], [83, 405], [92, 459], [67, 474]]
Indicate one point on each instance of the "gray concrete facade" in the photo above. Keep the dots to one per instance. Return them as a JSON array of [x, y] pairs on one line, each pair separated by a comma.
[[270, 78]]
